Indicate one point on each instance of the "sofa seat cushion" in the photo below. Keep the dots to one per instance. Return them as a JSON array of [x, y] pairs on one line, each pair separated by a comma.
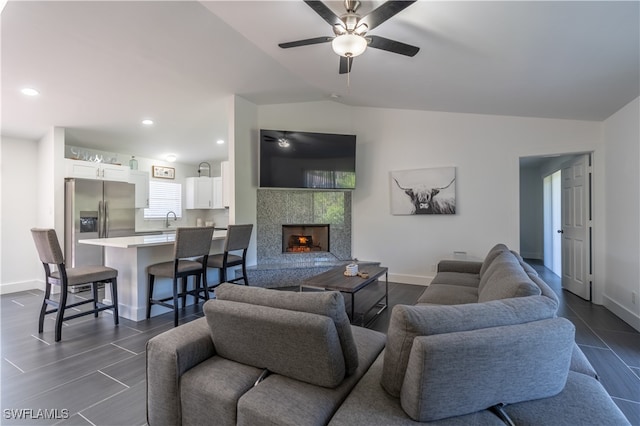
[[284, 401], [408, 322], [580, 363], [457, 278], [504, 279], [485, 367], [446, 294], [211, 390], [329, 304], [368, 404], [299, 345], [583, 401]]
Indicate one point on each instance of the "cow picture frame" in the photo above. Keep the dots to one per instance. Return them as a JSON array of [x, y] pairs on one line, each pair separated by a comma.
[[423, 191]]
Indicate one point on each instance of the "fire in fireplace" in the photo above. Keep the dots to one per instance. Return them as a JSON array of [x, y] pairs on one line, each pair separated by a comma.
[[305, 238]]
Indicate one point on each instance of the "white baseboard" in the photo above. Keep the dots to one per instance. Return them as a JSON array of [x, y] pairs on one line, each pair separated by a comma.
[[531, 255], [21, 286], [625, 314], [410, 279]]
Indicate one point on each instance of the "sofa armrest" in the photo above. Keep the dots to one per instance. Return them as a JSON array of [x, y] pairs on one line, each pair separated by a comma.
[[465, 266], [169, 356]]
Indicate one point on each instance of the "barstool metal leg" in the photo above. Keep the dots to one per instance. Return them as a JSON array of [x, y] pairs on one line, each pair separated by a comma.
[[185, 285], [175, 302], [114, 300], [94, 291], [60, 316], [43, 310], [150, 294]]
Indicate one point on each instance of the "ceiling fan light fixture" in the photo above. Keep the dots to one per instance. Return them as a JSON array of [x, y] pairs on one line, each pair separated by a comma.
[[349, 45], [283, 143]]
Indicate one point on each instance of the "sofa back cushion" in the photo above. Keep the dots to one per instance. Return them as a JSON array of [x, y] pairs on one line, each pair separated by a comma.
[[506, 278], [490, 257], [460, 373], [409, 322], [300, 345], [329, 304], [527, 268]]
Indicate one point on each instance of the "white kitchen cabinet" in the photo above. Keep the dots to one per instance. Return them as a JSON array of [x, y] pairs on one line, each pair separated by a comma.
[[100, 171], [226, 183], [199, 193], [141, 180], [217, 193]]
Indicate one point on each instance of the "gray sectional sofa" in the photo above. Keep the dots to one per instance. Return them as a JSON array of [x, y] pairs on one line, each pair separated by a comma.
[[482, 346]]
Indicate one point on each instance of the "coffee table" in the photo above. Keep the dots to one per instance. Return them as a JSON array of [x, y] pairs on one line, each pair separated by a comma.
[[334, 279]]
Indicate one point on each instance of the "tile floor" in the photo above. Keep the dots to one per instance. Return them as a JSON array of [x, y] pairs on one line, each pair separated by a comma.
[[96, 375]]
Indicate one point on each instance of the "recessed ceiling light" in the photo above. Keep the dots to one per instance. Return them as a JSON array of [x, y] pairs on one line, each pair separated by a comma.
[[147, 122], [171, 158], [29, 91], [220, 142]]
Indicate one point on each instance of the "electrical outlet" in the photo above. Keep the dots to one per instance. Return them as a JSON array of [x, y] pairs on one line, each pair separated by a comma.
[[634, 296], [433, 268]]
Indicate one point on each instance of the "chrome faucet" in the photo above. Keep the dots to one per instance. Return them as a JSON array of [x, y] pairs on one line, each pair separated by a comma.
[[166, 222]]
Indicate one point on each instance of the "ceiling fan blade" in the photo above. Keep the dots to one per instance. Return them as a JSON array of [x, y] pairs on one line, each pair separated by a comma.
[[345, 64], [305, 42], [392, 46], [384, 12], [324, 12]]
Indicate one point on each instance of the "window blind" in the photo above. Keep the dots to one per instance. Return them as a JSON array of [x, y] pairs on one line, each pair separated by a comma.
[[163, 198]]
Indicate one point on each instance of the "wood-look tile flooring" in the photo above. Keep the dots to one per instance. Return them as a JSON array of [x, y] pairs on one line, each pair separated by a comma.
[[97, 372]]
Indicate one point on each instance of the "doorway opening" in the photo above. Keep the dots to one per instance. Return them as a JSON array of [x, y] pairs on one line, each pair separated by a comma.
[[552, 201], [556, 225]]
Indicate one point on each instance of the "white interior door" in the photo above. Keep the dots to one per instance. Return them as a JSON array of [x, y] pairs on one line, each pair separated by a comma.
[[552, 222], [576, 227]]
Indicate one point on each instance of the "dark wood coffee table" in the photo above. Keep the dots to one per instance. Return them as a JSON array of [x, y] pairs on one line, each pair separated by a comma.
[[334, 279]]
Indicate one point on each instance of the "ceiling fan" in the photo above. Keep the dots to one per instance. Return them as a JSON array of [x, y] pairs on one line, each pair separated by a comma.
[[351, 38]]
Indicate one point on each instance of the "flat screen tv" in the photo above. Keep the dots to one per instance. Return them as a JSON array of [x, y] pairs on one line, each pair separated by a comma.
[[290, 159]]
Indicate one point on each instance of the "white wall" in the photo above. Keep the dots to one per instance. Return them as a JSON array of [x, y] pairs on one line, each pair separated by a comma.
[[243, 163], [485, 150], [622, 139], [20, 268]]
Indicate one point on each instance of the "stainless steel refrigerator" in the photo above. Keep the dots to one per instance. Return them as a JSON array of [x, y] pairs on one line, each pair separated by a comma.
[[95, 209]]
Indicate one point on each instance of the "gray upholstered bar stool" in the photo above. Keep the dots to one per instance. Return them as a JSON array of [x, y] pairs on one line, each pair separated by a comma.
[[238, 237], [50, 253], [190, 243]]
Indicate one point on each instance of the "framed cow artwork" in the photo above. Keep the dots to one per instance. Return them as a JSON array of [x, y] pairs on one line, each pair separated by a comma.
[[423, 191]]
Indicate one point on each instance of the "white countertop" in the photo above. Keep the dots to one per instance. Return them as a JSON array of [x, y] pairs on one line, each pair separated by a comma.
[[142, 240]]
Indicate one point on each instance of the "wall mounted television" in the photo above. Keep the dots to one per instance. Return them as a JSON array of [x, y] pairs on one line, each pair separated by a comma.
[[291, 159]]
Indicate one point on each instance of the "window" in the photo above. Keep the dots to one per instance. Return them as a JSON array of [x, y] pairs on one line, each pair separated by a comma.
[[329, 179], [163, 198]]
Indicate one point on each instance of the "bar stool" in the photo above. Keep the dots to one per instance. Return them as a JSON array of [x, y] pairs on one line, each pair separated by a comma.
[[238, 237], [190, 243], [50, 253]]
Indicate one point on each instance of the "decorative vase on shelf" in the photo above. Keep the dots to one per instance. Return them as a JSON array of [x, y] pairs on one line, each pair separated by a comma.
[[133, 163]]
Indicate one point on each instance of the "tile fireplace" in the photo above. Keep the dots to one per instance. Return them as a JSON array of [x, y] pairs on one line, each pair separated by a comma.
[[324, 216]]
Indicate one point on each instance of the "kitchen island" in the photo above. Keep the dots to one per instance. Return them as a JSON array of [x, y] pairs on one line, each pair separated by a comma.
[[131, 256]]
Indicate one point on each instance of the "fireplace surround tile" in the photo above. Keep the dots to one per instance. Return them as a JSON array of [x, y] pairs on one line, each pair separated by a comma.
[[283, 207]]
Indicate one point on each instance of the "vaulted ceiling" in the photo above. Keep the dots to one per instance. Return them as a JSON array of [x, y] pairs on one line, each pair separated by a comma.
[[101, 67]]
